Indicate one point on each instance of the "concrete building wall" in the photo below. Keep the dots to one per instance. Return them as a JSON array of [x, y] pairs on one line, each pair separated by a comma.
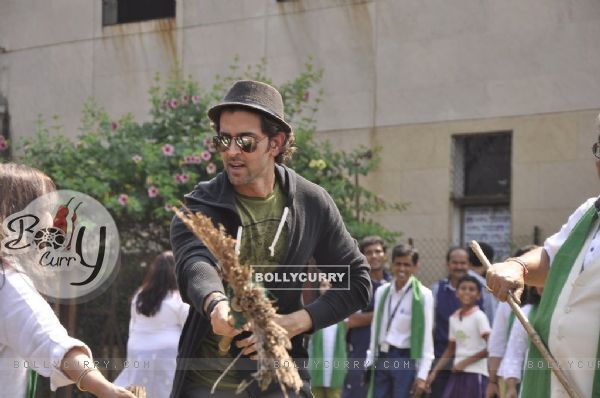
[[402, 74]]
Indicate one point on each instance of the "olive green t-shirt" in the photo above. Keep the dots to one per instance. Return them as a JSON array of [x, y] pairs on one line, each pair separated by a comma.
[[260, 220]]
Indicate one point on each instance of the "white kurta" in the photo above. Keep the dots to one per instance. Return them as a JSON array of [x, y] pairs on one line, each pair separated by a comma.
[[499, 336], [516, 349], [30, 336], [575, 325], [152, 347]]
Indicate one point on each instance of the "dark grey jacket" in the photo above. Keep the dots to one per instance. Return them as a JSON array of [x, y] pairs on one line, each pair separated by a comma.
[[314, 230]]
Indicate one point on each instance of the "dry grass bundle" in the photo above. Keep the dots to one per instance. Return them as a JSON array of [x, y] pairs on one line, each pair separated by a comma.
[[272, 339]]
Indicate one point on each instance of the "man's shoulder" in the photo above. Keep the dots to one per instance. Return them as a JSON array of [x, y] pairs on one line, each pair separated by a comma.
[[581, 210], [437, 284], [381, 289], [425, 291], [308, 188], [207, 190]]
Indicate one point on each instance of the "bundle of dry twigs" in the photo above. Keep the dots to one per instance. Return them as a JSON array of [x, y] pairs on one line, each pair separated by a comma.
[[272, 339]]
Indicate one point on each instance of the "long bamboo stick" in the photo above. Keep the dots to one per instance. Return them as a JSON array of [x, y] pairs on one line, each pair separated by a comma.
[[531, 332]]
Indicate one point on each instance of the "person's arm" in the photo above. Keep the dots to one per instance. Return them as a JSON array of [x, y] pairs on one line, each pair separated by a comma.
[[497, 347], [511, 275], [441, 364], [511, 388], [78, 367], [195, 267], [359, 319], [516, 350], [424, 364], [492, 390], [198, 277], [373, 351], [499, 335], [335, 246], [32, 330], [461, 365]]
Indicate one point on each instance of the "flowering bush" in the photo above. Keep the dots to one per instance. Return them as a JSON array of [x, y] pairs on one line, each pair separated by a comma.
[[139, 169]]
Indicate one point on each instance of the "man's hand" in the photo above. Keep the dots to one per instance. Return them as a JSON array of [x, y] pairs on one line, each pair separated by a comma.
[[118, 392], [295, 323], [505, 277], [511, 387], [419, 387], [248, 346], [491, 390], [219, 320], [430, 380]]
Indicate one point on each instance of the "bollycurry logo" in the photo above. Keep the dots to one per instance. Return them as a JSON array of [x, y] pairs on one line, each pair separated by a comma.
[[66, 243]]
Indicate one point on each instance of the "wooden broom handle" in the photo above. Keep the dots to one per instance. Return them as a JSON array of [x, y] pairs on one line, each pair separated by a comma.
[[533, 335]]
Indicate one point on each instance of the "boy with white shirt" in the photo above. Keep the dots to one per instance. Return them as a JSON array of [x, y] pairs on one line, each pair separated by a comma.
[[401, 333]]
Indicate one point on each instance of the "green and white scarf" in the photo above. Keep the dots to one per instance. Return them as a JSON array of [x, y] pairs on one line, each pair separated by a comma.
[[338, 373], [31, 383], [417, 325], [536, 382]]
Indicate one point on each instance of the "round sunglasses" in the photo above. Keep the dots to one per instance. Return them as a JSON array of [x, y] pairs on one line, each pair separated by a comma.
[[246, 143]]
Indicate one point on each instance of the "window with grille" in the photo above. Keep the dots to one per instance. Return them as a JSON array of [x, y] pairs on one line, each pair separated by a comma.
[[124, 11], [481, 189]]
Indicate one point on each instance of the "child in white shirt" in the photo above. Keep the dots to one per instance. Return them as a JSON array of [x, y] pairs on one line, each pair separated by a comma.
[[468, 333]]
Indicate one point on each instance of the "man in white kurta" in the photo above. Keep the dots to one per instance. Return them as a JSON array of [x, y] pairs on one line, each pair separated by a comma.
[[575, 321]]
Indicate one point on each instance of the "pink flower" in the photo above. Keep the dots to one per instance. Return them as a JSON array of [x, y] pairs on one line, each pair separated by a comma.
[[195, 99], [123, 199], [206, 156], [207, 141], [3, 144], [192, 159], [136, 158], [114, 125], [168, 150], [212, 148], [152, 191], [168, 207], [185, 99], [173, 104], [182, 178], [211, 168]]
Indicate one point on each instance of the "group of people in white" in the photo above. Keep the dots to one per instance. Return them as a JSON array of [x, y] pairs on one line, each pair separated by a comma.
[[415, 341]]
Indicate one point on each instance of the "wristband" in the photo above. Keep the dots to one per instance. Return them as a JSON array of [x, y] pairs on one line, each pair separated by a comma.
[[519, 261], [80, 378], [213, 304]]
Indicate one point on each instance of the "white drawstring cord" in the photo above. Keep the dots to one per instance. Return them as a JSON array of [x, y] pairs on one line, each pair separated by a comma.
[[238, 240], [279, 229]]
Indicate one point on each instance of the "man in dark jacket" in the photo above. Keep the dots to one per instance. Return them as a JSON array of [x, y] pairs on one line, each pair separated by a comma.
[[279, 218]]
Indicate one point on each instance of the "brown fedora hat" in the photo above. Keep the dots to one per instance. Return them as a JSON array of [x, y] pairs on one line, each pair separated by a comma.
[[256, 96]]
